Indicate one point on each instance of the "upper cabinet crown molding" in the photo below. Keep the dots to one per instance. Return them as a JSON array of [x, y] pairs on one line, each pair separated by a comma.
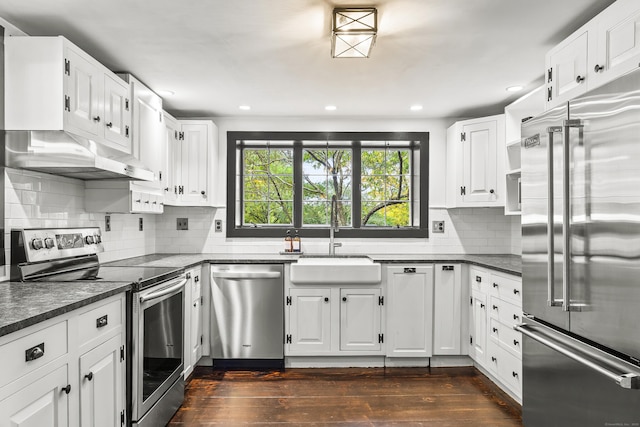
[[51, 84], [603, 49]]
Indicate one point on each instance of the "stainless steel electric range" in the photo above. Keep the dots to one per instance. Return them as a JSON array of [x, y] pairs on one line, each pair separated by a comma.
[[155, 387]]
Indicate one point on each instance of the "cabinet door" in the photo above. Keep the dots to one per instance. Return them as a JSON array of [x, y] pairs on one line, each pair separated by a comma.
[[101, 385], [478, 327], [117, 113], [309, 321], [188, 312], [83, 88], [196, 318], [479, 172], [360, 317], [42, 403], [194, 173], [409, 311], [618, 42], [148, 130], [567, 70], [173, 160], [447, 309]]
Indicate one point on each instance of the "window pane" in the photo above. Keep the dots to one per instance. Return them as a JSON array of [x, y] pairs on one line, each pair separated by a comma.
[[280, 188], [373, 214], [315, 187], [315, 213], [256, 187], [281, 162], [398, 215], [280, 213], [397, 188], [255, 162], [373, 188], [397, 162], [255, 213], [372, 162]]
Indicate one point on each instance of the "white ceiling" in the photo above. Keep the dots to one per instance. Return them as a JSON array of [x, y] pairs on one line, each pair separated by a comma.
[[454, 57]]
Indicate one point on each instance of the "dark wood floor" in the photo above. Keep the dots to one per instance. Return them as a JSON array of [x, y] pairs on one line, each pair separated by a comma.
[[441, 397]]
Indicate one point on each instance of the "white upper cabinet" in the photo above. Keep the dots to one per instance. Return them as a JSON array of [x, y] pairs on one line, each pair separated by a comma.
[[475, 160], [148, 133], [192, 145], [603, 49], [51, 84]]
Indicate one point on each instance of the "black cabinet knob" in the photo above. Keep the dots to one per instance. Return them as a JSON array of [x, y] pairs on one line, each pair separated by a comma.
[[579, 79], [326, 299], [67, 389], [598, 68], [109, 125], [89, 376], [344, 299], [96, 119]]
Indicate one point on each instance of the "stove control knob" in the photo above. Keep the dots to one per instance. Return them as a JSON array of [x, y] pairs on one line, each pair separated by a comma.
[[97, 238], [49, 243], [89, 240], [37, 244]]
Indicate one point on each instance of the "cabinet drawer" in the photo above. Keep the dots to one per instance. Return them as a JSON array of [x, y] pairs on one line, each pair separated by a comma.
[[510, 370], [479, 279], [491, 362], [99, 321], [40, 347], [509, 314], [506, 288], [506, 336]]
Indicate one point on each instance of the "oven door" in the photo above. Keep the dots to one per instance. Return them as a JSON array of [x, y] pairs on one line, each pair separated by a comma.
[[157, 348]]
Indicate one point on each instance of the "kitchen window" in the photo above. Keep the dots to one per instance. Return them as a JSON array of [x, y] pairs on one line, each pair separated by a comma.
[[278, 181]]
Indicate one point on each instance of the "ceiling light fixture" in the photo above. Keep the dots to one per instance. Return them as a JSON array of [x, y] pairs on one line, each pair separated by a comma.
[[514, 88], [416, 107], [354, 32], [330, 108], [165, 92], [245, 107]]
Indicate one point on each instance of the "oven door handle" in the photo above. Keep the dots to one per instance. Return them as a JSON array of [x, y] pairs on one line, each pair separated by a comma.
[[223, 274], [163, 292]]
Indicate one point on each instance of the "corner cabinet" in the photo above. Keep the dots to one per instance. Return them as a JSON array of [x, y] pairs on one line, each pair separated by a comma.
[[69, 370], [603, 49], [51, 84], [409, 310], [475, 160], [191, 146]]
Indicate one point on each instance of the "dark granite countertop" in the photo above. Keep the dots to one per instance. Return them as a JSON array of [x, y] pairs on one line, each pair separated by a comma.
[[506, 263], [25, 304]]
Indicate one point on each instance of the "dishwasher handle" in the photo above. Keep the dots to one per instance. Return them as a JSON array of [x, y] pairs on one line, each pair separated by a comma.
[[230, 274]]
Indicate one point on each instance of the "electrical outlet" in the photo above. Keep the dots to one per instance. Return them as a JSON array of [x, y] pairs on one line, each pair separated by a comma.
[[107, 223], [182, 223], [218, 225], [140, 224], [437, 227]]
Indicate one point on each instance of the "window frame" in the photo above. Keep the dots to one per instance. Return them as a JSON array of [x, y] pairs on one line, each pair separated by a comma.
[[421, 139]]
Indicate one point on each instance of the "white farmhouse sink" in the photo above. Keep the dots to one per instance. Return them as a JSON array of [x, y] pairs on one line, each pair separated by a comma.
[[335, 269]]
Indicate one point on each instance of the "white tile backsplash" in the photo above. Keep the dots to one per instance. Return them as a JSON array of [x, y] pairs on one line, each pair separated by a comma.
[[34, 199]]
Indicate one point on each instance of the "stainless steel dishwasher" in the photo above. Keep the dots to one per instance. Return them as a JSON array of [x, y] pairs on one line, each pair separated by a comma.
[[247, 320]]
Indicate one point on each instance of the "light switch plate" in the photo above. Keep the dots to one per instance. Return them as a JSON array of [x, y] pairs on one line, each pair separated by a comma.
[[218, 225], [107, 223], [141, 224]]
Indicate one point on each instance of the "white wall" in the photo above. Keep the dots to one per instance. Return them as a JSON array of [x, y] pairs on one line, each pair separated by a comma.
[[478, 230]]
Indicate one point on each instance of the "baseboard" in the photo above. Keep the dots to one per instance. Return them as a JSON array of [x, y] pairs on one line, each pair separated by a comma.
[[450, 361], [407, 362], [334, 362]]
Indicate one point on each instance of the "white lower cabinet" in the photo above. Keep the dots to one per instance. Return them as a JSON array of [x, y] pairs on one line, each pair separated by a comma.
[[447, 309], [193, 335], [333, 321], [101, 385], [41, 403], [495, 308], [66, 371], [409, 310]]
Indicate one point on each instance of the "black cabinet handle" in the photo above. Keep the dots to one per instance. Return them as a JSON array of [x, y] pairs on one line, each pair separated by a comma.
[[478, 279], [495, 285], [326, 299], [96, 119], [102, 321], [34, 353], [89, 376], [516, 292], [493, 359], [67, 389], [481, 305], [515, 374], [516, 317], [495, 330], [197, 279], [579, 79], [109, 125], [598, 68], [495, 307], [516, 342], [344, 299]]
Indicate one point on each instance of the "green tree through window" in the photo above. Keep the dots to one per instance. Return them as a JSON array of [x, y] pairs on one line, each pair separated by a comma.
[[281, 180]]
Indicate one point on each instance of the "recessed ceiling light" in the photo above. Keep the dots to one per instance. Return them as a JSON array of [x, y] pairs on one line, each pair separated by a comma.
[[165, 92], [416, 107], [245, 107], [514, 88], [330, 108]]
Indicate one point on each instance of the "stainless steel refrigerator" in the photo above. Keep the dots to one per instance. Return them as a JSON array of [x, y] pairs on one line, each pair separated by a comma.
[[581, 260]]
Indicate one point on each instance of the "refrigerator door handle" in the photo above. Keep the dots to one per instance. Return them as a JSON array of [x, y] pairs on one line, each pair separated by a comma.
[[551, 299], [591, 357]]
